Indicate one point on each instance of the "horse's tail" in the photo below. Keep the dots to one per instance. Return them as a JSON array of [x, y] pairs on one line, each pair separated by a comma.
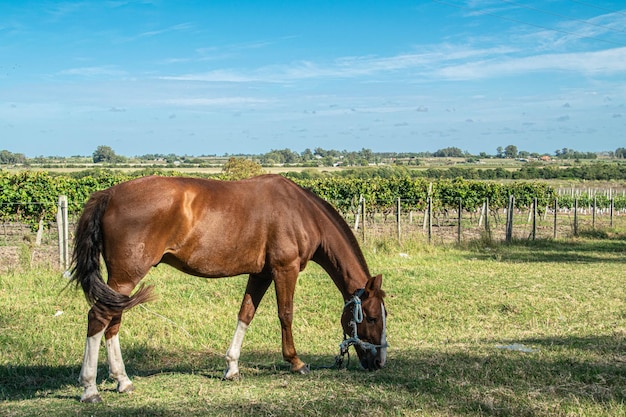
[[85, 268]]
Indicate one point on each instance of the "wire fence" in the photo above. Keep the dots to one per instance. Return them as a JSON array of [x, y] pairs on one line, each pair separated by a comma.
[[436, 225]]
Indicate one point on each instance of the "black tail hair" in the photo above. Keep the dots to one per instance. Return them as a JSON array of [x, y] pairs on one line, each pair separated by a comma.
[[85, 267]]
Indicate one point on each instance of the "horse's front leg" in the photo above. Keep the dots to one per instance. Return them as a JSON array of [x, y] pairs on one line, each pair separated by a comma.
[[255, 290], [285, 284], [117, 370]]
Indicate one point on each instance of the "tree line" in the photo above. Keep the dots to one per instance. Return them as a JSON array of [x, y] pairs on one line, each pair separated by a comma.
[[313, 157], [600, 171]]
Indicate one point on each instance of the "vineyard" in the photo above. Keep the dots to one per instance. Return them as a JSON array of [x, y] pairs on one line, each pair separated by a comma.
[[30, 200]]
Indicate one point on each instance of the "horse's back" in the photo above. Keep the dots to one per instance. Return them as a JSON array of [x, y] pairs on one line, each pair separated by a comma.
[[210, 227]]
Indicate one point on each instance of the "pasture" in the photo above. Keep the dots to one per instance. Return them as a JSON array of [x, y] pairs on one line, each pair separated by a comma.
[[524, 329]]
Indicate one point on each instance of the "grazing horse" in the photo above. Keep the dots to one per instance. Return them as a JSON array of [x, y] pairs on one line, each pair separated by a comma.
[[267, 227]]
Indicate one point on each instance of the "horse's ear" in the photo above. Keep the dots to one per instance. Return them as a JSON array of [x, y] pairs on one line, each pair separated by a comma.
[[374, 284]]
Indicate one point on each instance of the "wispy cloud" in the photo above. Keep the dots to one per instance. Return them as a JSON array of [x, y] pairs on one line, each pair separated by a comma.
[[174, 28], [93, 71], [219, 101], [448, 62], [606, 62], [556, 30], [60, 10]]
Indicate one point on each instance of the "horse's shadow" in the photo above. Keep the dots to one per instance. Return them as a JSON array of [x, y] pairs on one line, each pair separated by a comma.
[[22, 382], [449, 376]]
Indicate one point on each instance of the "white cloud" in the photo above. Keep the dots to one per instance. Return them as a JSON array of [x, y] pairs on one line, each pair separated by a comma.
[[605, 62], [173, 28], [220, 101], [344, 67], [93, 71], [443, 62]]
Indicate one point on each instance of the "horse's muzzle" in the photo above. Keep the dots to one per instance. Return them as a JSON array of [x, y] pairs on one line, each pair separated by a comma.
[[371, 362]]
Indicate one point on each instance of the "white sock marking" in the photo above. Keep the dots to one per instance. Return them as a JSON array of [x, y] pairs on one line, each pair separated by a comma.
[[117, 370], [383, 338], [234, 351], [89, 370]]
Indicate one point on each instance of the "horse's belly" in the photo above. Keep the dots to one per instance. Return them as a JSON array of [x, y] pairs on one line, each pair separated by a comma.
[[216, 262]]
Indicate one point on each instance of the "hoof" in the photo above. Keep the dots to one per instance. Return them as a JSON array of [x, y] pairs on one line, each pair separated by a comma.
[[92, 399], [128, 388], [232, 377], [303, 371]]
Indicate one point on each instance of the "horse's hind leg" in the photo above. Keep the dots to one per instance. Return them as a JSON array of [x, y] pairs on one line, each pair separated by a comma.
[[117, 370], [104, 322], [98, 321], [123, 284], [255, 290]]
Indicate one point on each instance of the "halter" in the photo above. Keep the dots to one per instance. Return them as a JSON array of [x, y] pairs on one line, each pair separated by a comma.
[[354, 340]]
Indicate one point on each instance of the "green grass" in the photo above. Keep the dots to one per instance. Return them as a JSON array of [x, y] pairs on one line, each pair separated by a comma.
[[451, 312]]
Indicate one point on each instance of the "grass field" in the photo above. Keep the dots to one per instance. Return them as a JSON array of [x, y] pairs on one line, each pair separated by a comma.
[[526, 329]]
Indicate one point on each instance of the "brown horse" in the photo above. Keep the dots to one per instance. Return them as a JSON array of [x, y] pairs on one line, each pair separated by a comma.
[[267, 227]]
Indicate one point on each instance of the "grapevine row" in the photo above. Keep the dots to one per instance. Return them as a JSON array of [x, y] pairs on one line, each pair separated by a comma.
[[30, 196]]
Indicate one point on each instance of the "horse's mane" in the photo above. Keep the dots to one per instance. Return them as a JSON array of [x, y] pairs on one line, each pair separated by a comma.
[[336, 218]]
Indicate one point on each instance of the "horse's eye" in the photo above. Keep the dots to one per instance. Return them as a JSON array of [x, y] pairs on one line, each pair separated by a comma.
[[371, 319]]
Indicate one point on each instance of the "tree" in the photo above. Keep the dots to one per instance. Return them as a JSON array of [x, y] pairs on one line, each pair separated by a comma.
[[307, 155], [510, 151], [240, 168], [7, 157], [367, 155], [452, 152], [104, 154]]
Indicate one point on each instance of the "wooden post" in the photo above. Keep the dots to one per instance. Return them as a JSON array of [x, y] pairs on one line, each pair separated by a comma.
[[487, 216], [358, 213], [611, 211], [534, 218], [556, 208], [430, 218], [593, 215], [458, 228], [63, 231], [398, 220], [39, 237], [364, 218], [576, 216], [509, 219], [425, 223]]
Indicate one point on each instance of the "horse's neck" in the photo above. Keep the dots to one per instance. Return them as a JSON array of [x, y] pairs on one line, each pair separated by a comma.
[[344, 262]]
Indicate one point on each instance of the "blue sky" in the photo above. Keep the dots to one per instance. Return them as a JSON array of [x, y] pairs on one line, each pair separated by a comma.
[[217, 77]]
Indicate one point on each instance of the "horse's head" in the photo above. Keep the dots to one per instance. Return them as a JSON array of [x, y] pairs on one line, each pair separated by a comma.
[[364, 322]]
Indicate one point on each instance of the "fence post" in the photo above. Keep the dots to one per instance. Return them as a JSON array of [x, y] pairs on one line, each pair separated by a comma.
[[576, 216], [364, 217], [534, 218], [358, 213], [509, 219], [62, 228], [487, 229], [398, 221], [556, 207], [39, 237], [611, 214], [429, 214], [458, 230], [593, 216], [426, 220]]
